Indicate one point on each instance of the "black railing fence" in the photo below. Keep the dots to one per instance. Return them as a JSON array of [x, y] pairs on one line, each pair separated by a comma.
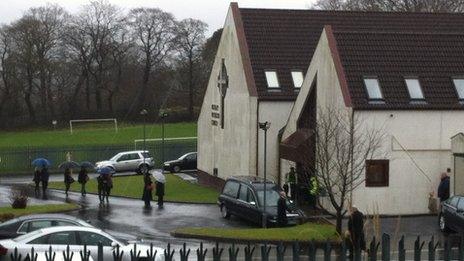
[[17, 160], [377, 250]]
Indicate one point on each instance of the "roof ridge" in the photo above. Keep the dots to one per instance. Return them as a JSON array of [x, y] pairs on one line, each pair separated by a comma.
[[352, 11], [341, 31]]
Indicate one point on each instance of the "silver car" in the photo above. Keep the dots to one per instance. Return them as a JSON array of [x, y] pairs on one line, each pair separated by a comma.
[[76, 237], [137, 160]]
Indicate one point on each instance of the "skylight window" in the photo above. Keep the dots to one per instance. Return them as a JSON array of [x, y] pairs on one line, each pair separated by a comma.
[[272, 80], [297, 77], [414, 89], [459, 85], [373, 88]]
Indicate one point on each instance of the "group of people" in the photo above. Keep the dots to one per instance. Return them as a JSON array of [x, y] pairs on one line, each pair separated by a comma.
[[82, 178], [41, 175], [148, 188]]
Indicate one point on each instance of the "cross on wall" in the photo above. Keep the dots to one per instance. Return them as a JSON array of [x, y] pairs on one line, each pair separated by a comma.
[[223, 85]]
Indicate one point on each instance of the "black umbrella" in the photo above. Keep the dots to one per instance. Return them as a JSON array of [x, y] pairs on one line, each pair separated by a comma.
[[87, 165], [69, 165]]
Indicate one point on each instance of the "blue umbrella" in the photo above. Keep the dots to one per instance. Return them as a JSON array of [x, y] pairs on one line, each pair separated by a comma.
[[105, 171], [41, 162], [87, 165]]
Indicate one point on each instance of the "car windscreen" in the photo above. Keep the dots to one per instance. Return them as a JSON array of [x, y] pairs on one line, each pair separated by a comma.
[[272, 197]]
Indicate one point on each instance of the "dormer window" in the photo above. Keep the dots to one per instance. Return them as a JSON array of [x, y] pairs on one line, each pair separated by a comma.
[[272, 79], [414, 89], [459, 85], [297, 77], [373, 89]]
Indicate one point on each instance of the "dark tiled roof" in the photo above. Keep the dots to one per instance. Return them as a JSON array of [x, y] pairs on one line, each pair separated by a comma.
[[286, 39], [432, 57]]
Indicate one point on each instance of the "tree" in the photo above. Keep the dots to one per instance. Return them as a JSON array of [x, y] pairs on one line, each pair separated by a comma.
[[393, 5], [190, 37], [343, 143], [153, 32]]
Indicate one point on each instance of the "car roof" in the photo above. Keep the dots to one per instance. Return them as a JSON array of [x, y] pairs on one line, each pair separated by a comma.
[[250, 179], [48, 216], [69, 228], [133, 151]]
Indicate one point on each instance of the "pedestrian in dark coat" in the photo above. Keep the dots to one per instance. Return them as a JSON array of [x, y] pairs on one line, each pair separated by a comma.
[[147, 196], [101, 196], [356, 230], [36, 180], [160, 193], [444, 187], [44, 176], [82, 179], [282, 210], [68, 180]]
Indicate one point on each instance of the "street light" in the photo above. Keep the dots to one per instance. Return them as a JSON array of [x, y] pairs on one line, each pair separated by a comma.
[[264, 126], [144, 114], [162, 115]]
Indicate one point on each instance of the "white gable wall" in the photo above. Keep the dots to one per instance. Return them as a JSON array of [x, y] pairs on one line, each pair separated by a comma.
[[231, 150]]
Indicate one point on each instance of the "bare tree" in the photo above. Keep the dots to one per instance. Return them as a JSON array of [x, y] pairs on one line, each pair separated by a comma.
[[190, 38], [6, 68], [343, 143], [153, 31], [393, 5]]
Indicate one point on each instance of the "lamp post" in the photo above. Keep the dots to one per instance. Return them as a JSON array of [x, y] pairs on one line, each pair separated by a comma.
[[162, 115], [264, 126], [144, 114]]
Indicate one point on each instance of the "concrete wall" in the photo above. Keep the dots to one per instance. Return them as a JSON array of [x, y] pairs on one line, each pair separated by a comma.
[[277, 113], [231, 150], [418, 146]]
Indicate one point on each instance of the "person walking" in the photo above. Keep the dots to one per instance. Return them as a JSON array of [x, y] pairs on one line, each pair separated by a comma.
[[82, 178], [282, 210], [107, 186], [160, 193], [44, 176], [356, 231], [36, 180], [291, 180], [147, 195], [444, 187], [68, 180], [100, 188]]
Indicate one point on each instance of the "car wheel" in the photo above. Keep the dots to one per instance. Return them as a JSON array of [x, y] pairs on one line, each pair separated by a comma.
[[176, 169], [442, 223], [225, 212], [143, 169]]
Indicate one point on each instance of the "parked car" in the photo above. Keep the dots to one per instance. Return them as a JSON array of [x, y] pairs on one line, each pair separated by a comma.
[[76, 237], [451, 217], [244, 197], [185, 162], [139, 161], [26, 224]]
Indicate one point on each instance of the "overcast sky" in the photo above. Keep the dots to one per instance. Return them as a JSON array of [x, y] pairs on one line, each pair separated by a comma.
[[211, 11]]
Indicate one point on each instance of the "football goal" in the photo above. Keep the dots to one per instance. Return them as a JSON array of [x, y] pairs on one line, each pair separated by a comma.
[[138, 144], [73, 124]]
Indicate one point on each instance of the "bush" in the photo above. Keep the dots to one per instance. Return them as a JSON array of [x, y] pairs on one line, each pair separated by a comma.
[[18, 197]]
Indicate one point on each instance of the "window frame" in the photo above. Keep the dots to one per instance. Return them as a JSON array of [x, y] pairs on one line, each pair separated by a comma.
[[461, 78], [406, 78], [386, 164], [277, 79], [382, 98], [293, 79]]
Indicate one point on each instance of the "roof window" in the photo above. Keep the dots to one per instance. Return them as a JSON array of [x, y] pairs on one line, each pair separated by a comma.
[[459, 85], [373, 89], [414, 89], [297, 77], [272, 80]]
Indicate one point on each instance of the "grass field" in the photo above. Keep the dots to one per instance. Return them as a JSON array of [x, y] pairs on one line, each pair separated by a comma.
[[93, 136], [302, 233], [9, 212], [176, 189]]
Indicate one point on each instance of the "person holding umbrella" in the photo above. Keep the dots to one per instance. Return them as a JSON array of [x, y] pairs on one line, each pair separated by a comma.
[[68, 180], [105, 184], [147, 196], [44, 175], [160, 181], [82, 178]]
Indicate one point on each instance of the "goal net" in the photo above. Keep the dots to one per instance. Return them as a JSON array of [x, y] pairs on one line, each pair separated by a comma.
[[93, 123]]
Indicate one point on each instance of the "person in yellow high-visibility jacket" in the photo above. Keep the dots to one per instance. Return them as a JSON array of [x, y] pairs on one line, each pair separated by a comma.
[[313, 191]]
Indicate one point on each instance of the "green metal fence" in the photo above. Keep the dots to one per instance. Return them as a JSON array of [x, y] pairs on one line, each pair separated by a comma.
[[18, 160]]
